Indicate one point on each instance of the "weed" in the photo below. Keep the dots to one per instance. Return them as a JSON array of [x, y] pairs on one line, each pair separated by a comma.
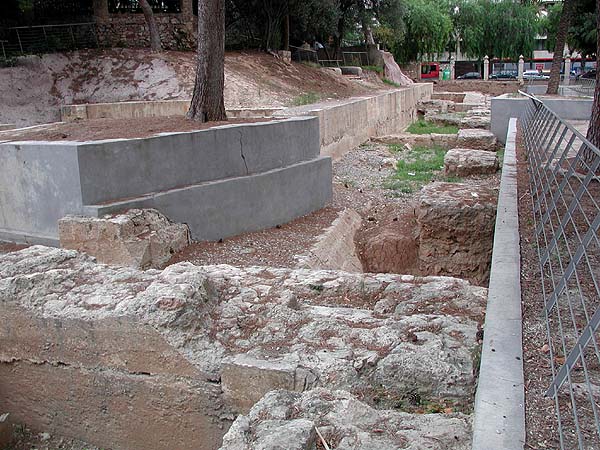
[[390, 82], [417, 167], [450, 179], [373, 68], [423, 127], [316, 287], [8, 61], [500, 154], [306, 99]]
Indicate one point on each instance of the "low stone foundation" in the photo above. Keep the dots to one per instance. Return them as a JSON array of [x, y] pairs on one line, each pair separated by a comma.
[[456, 229], [150, 360]]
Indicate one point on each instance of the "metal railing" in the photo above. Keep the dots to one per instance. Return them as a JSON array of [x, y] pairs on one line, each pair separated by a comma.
[[583, 86], [565, 191], [48, 38], [356, 58]]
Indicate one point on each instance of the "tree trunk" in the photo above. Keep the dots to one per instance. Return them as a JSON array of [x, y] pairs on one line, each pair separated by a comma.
[[207, 102], [155, 43], [593, 133], [369, 40], [559, 48], [286, 32]]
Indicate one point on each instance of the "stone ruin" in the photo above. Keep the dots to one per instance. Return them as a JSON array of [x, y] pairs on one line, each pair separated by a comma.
[[141, 238], [155, 359]]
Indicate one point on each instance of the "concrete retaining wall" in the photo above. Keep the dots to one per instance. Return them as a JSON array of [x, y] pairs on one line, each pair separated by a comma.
[[506, 106], [346, 124], [221, 181], [160, 108], [499, 422]]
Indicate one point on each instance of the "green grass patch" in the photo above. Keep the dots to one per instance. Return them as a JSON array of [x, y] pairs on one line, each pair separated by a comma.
[[423, 127], [416, 168], [373, 68], [390, 82], [306, 99]]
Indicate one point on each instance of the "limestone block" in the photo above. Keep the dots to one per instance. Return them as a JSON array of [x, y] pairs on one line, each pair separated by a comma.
[[456, 229], [463, 162], [245, 380], [476, 121], [477, 139], [137, 238]]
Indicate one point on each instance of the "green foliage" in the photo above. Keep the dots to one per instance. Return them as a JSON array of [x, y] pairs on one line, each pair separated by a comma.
[[428, 30], [306, 99], [582, 30], [423, 127], [500, 29], [377, 69]]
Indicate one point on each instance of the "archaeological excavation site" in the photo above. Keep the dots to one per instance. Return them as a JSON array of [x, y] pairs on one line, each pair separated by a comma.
[[232, 225]]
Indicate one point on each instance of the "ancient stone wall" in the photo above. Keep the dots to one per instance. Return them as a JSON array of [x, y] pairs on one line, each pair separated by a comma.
[[124, 358]]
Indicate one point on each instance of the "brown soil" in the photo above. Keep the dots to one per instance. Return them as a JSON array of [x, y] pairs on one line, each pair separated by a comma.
[[493, 88], [539, 410], [98, 129], [8, 247], [33, 91]]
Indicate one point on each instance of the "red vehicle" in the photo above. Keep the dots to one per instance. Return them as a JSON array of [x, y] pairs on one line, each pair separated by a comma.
[[430, 70]]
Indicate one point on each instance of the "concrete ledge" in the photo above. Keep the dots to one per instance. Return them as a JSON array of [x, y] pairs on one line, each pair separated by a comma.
[[506, 106], [223, 208], [499, 422], [155, 108]]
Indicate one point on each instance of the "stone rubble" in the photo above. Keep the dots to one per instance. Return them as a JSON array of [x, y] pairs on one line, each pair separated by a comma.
[[140, 238], [344, 423]]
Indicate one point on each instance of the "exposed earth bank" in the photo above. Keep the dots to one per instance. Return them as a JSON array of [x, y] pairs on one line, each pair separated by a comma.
[[33, 91]]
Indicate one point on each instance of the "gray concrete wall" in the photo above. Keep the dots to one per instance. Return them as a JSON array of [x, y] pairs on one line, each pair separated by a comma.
[[346, 124], [506, 106], [224, 208], [116, 169], [221, 181], [499, 416], [39, 183]]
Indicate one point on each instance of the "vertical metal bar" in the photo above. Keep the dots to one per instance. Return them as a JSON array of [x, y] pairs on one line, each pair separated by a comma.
[[20, 44]]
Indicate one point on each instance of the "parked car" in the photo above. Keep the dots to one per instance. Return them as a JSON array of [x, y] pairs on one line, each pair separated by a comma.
[[470, 76], [590, 74], [534, 75], [504, 75]]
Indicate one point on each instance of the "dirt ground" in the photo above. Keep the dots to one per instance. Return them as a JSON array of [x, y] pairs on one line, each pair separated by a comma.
[[32, 92], [98, 129]]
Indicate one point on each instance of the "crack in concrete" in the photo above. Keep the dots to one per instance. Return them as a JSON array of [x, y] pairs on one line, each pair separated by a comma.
[[242, 153]]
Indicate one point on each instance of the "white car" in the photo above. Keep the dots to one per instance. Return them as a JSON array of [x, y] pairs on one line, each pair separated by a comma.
[[534, 75]]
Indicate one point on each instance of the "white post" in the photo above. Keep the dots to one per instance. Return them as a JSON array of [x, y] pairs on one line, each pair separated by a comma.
[[452, 63], [567, 69], [486, 68], [521, 68]]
